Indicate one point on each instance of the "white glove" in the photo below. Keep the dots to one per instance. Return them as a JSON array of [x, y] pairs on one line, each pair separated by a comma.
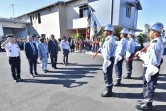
[[106, 63], [151, 70], [117, 58], [139, 53], [127, 55], [127, 58], [100, 49]]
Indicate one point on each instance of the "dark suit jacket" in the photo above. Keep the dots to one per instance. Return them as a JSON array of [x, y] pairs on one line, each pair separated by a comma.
[[29, 51], [52, 48]]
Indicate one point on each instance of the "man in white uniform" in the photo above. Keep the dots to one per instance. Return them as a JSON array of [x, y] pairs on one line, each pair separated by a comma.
[[13, 52]]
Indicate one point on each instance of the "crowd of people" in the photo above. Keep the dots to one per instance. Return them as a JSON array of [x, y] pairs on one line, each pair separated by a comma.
[[79, 45]]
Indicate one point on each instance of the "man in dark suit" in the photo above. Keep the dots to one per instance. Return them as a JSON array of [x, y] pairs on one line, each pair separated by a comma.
[[53, 51], [32, 55]]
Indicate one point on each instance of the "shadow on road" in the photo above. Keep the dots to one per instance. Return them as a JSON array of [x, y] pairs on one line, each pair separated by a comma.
[[159, 108], [163, 75], [65, 77], [128, 95], [85, 65], [159, 96], [66, 83], [73, 76], [132, 85]]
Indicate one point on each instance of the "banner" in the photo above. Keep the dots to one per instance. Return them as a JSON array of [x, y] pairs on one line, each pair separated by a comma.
[[93, 23]]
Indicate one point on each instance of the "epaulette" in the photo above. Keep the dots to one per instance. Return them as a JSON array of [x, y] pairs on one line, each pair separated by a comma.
[[155, 41]]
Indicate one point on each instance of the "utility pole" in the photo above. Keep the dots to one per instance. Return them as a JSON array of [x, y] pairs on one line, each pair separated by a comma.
[[12, 5]]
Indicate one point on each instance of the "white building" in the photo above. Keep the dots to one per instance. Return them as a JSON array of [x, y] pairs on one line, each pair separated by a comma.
[[13, 26], [63, 18]]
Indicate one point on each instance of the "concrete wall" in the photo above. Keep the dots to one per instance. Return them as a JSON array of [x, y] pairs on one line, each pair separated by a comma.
[[116, 12], [49, 23], [1, 30], [10, 24], [102, 10], [18, 32], [8, 31], [8, 28], [72, 12], [69, 12], [124, 20]]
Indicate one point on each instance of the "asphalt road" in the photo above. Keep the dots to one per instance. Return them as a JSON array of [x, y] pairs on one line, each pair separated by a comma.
[[73, 88]]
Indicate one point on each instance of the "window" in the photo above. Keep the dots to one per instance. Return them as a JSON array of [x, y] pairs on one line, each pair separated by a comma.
[[31, 20], [128, 11], [39, 18], [84, 12], [43, 35], [36, 16]]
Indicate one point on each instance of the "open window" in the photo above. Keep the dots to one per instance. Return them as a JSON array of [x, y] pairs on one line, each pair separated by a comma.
[[84, 11], [39, 18]]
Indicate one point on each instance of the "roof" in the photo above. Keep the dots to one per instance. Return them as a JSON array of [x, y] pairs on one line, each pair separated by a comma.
[[136, 4], [48, 6], [13, 20]]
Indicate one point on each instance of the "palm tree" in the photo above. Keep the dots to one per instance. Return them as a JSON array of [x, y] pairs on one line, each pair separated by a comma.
[[142, 38]]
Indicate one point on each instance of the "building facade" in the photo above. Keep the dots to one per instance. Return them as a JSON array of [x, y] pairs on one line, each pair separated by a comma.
[[63, 18], [13, 26]]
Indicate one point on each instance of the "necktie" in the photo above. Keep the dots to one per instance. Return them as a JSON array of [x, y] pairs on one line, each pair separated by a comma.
[[54, 42], [33, 48]]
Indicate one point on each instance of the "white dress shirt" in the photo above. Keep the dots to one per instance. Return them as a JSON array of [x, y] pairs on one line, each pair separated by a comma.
[[12, 50], [65, 45]]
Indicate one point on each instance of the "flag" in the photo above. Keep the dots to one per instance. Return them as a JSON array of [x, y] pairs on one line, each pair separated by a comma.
[[93, 23]]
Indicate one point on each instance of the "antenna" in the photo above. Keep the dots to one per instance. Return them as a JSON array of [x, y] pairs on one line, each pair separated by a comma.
[[12, 5]]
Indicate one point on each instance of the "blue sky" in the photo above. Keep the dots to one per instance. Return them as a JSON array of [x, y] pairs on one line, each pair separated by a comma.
[[153, 10]]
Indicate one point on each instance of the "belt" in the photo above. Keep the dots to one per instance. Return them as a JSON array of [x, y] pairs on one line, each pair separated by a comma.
[[14, 57]]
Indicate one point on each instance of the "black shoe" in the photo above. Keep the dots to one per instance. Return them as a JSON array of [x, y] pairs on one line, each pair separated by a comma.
[[45, 71], [32, 74], [117, 83], [36, 74], [144, 107], [19, 80], [107, 93], [15, 81], [127, 77]]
